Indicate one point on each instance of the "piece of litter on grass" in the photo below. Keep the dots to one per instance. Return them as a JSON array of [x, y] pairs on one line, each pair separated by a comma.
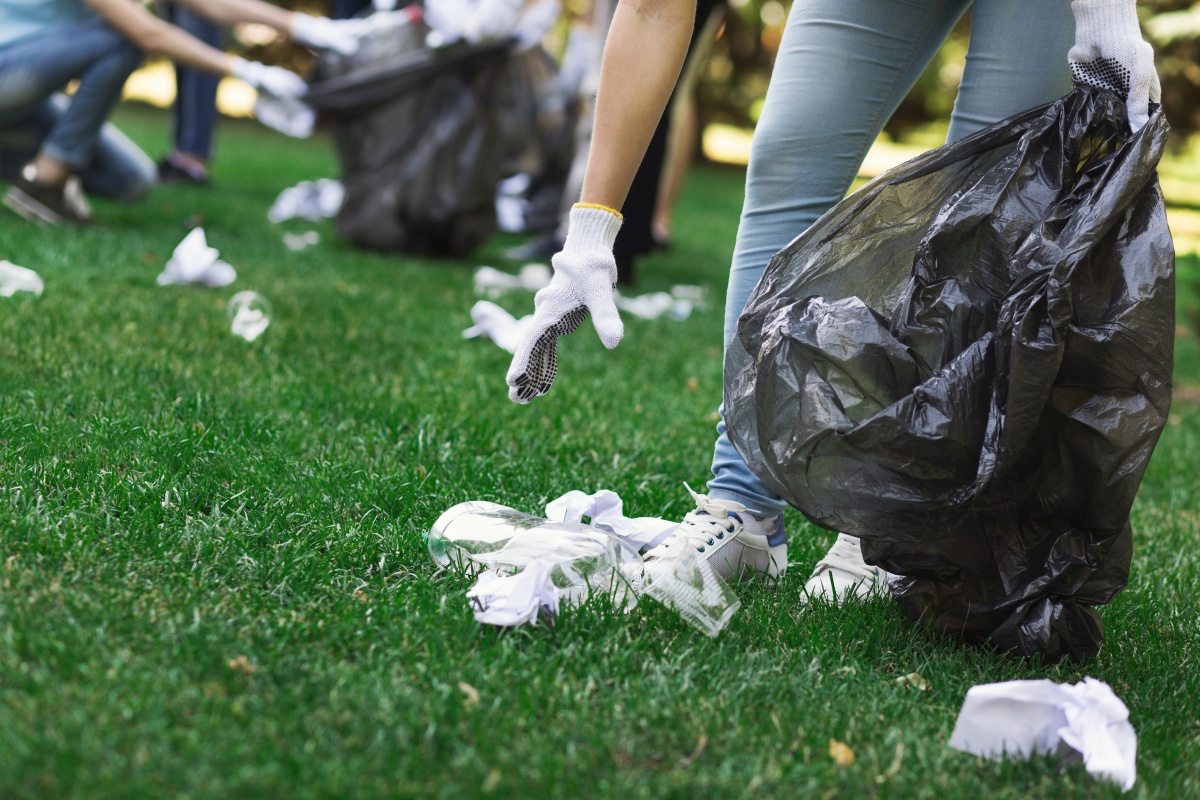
[[15, 279], [492, 282], [249, 314], [605, 510], [656, 304], [841, 753], [493, 322], [300, 241], [289, 116], [1023, 718], [193, 261], [511, 600], [913, 680], [310, 200], [471, 693]]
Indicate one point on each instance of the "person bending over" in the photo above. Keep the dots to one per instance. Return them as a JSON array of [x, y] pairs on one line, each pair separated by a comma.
[[843, 67], [70, 148]]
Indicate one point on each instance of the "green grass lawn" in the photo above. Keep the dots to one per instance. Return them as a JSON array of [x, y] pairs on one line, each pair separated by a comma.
[[213, 579]]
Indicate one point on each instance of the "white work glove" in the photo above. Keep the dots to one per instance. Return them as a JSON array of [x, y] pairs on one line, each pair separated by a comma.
[[1109, 53], [472, 21], [274, 81], [320, 33], [585, 275]]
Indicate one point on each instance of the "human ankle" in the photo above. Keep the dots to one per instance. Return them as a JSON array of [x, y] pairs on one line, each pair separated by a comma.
[[48, 171]]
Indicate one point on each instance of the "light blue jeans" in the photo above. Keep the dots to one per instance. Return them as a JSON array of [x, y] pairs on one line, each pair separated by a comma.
[[843, 68], [73, 131]]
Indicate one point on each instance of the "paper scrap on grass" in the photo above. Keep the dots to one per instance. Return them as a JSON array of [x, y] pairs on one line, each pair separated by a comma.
[[300, 241], [511, 600], [678, 304], [493, 322], [605, 510], [15, 279], [309, 200], [195, 262], [289, 116], [1022, 718], [493, 282], [249, 315]]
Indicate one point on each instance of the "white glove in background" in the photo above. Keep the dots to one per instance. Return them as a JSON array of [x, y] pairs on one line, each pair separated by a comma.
[[585, 274], [340, 36], [272, 80], [1109, 53], [473, 21]]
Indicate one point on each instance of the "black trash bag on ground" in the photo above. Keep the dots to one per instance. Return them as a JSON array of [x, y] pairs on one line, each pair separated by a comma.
[[968, 364], [416, 133]]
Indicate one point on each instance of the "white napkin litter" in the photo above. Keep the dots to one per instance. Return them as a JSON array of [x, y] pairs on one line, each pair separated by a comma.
[[493, 282], [300, 241], [195, 262], [310, 200], [511, 600], [1022, 718], [289, 116], [249, 315], [15, 279], [605, 510], [498, 325]]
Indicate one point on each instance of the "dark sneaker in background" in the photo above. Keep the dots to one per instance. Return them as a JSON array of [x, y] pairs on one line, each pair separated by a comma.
[[53, 205], [174, 170]]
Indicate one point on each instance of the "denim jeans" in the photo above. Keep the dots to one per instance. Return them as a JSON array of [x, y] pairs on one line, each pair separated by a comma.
[[194, 114], [843, 67], [34, 117]]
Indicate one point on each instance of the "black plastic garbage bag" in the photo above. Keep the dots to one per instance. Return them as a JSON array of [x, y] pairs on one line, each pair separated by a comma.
[[968, 364], [417, 137]]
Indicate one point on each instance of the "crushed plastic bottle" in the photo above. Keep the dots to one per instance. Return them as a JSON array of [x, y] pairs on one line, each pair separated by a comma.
[[477, 535], [249, 314]]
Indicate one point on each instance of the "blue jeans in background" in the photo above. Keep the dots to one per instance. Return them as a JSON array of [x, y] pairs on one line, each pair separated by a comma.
[[34, 117], [194, 114], [842, 69]]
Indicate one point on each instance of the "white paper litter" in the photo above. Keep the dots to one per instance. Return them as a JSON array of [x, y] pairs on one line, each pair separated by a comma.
[[300, 241], [249, 315], [605, 510], [15, 279], [195, 262], [493, 322], [1023, 718], [511, 600], [289, 116], [310, 200], [493, 283]]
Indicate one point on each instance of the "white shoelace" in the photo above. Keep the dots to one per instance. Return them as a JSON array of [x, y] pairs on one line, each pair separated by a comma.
[[846, 556], [704, 527]]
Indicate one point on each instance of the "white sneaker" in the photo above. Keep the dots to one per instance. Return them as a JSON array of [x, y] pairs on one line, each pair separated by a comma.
[[842, 573], [736, 543]]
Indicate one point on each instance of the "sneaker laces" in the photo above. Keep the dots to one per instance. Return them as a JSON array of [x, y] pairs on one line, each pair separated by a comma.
[[846, 556], [702, 528]]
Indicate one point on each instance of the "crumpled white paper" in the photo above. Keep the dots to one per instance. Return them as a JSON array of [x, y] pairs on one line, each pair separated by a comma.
[[300, 241], [289, 116], [310, 200], [605, 510], [1022, 718], [495, 323], [249, 314], [492, 282], [15, 279], [511, 600], [195, 262]]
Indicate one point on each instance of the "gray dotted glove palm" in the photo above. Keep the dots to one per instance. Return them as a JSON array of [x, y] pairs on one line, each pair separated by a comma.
[[1109, 53], [585, 274]]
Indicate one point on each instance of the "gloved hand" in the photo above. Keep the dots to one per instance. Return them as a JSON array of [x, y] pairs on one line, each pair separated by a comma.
[[272, 80], [341, 36], [1109, 53], [585, 275], [472, 21]]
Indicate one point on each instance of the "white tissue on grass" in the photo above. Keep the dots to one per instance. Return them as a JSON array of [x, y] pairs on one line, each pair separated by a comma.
[[195, 262], [15, 279], [309, 200], [300, 241], [249, 315], [492, 282], [1023, 718], [518, 599], [289, 116], [605, 510], [493, 322]]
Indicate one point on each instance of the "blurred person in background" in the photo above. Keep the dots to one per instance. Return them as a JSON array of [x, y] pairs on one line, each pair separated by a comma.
[[71, 149], [842, 69], [194, 112]]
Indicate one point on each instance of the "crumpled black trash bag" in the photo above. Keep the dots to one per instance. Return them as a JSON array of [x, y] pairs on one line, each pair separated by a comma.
[[417, 136], [968, 364]]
